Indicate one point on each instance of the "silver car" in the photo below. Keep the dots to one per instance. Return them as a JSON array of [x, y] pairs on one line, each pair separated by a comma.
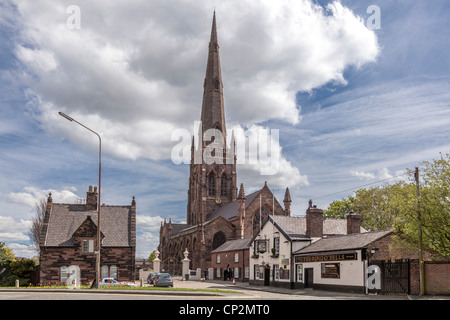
[[163, 280]]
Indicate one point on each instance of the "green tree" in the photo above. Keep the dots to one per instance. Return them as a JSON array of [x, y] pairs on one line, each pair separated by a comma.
[[152, 256], [6, 254], [339, 209], [433, 204], [397, 206]]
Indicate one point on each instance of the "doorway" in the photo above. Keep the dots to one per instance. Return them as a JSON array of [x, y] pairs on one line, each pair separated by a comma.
[[267, 276], [309, 278]]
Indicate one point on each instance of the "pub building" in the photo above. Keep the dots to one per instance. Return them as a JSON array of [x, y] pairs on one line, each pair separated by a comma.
[[271, 249], [338, 263]]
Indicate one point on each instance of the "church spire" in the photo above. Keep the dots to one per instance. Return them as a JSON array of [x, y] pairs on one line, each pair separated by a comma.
[[213, 114]]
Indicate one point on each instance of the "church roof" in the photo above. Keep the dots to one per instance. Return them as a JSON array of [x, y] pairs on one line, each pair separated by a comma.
[[231, 209], [65, 219]]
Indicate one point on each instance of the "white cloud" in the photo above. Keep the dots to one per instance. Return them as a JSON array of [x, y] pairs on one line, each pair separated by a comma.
[[13, 230], [134, 72], [32, 196], [260, 158], [22, 250], [148, 223], [146, 243], [363, 175]]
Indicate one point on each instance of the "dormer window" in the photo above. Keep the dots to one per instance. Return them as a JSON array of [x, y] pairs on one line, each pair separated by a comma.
[[88, 246]]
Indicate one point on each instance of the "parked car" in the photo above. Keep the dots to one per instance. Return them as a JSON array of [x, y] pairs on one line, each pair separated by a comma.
[[114, 282], [151, 277], [163, 280]]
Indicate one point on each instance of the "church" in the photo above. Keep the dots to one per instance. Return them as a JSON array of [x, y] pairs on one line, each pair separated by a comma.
[[217, 211]]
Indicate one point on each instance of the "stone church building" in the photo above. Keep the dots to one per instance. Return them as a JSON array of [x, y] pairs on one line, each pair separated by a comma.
[[216, 210]]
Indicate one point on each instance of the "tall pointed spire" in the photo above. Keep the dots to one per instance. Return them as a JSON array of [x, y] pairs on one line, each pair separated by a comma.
[[213, 113]]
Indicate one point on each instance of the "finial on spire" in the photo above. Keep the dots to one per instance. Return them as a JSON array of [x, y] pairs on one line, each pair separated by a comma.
[[287, 196], [241, 192]]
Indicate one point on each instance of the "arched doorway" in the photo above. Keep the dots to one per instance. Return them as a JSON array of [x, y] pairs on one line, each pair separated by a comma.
[[219, 239]]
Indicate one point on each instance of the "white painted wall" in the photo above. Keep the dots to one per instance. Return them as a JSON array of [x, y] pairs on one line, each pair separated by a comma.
[[351, 272]]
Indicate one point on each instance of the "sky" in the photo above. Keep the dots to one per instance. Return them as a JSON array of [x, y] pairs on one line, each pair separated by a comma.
[[357, 90]]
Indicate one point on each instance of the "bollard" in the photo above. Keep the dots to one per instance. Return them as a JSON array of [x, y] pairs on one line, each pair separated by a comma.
[[17, 283]]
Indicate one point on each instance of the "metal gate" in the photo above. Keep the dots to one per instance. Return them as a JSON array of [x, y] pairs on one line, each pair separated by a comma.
[[395, 277]]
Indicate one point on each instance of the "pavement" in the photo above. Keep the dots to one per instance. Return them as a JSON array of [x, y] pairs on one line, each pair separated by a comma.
[[245, 286], [250, 291]]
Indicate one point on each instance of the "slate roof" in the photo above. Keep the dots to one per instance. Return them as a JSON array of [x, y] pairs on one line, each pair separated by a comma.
[[348, 242], [65, 219], [295, 227], [231, 209], [233, 245]]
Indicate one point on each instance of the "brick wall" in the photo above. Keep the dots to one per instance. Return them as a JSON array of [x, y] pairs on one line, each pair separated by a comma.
[[53, 258], [437, 277], [228, 259]]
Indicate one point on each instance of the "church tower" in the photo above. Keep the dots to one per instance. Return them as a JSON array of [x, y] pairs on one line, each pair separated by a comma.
[[212, 180]]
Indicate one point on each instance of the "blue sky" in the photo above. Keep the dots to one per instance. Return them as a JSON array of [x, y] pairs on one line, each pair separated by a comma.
[[352, 105]]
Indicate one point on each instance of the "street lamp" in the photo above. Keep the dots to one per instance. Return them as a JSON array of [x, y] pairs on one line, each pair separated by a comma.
[[97, 271]]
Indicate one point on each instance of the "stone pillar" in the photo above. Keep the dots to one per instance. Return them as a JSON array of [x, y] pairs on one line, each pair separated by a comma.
[[185, 262], [156, 262]]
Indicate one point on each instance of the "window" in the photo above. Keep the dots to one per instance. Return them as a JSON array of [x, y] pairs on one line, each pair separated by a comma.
[[276, 246], [236, 257], [104, 272], [236, 272], [211, 185], [218, 258], [256, 271], [299, 272], [276, 272], [63, 274], [223, 186], [330, 270], [88, 246], [113, 272], [218, 274]]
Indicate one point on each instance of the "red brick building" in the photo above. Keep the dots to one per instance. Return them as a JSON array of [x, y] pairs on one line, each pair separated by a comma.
[[231, 261], [216, 212], [69, 237]]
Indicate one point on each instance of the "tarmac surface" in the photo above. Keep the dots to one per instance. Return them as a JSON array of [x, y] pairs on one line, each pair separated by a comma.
[[241, 291]]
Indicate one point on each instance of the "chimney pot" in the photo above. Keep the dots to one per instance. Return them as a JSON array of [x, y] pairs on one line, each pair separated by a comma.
[[91, 199]]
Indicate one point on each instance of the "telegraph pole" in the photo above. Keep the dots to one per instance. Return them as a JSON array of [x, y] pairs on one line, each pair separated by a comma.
[[419, 236]]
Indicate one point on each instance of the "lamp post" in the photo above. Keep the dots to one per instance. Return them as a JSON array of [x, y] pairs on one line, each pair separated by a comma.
[[97, 268]]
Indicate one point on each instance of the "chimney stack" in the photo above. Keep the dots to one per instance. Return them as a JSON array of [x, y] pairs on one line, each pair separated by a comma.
[[91, 199], [353, 223], [314, 221]]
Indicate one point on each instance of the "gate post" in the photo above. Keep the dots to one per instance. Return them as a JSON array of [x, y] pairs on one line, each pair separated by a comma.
[[185, 269], [156, 262]]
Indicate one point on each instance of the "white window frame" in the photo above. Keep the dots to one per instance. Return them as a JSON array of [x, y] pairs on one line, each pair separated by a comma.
[[63, 276]]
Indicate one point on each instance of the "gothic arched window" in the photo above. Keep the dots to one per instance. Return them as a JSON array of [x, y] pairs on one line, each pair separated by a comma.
[[258, 221], [219, 239], [211, 185], [223, 186]]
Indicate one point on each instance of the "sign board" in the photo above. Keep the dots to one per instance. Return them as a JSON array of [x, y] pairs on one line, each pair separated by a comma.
[[327, 257]]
